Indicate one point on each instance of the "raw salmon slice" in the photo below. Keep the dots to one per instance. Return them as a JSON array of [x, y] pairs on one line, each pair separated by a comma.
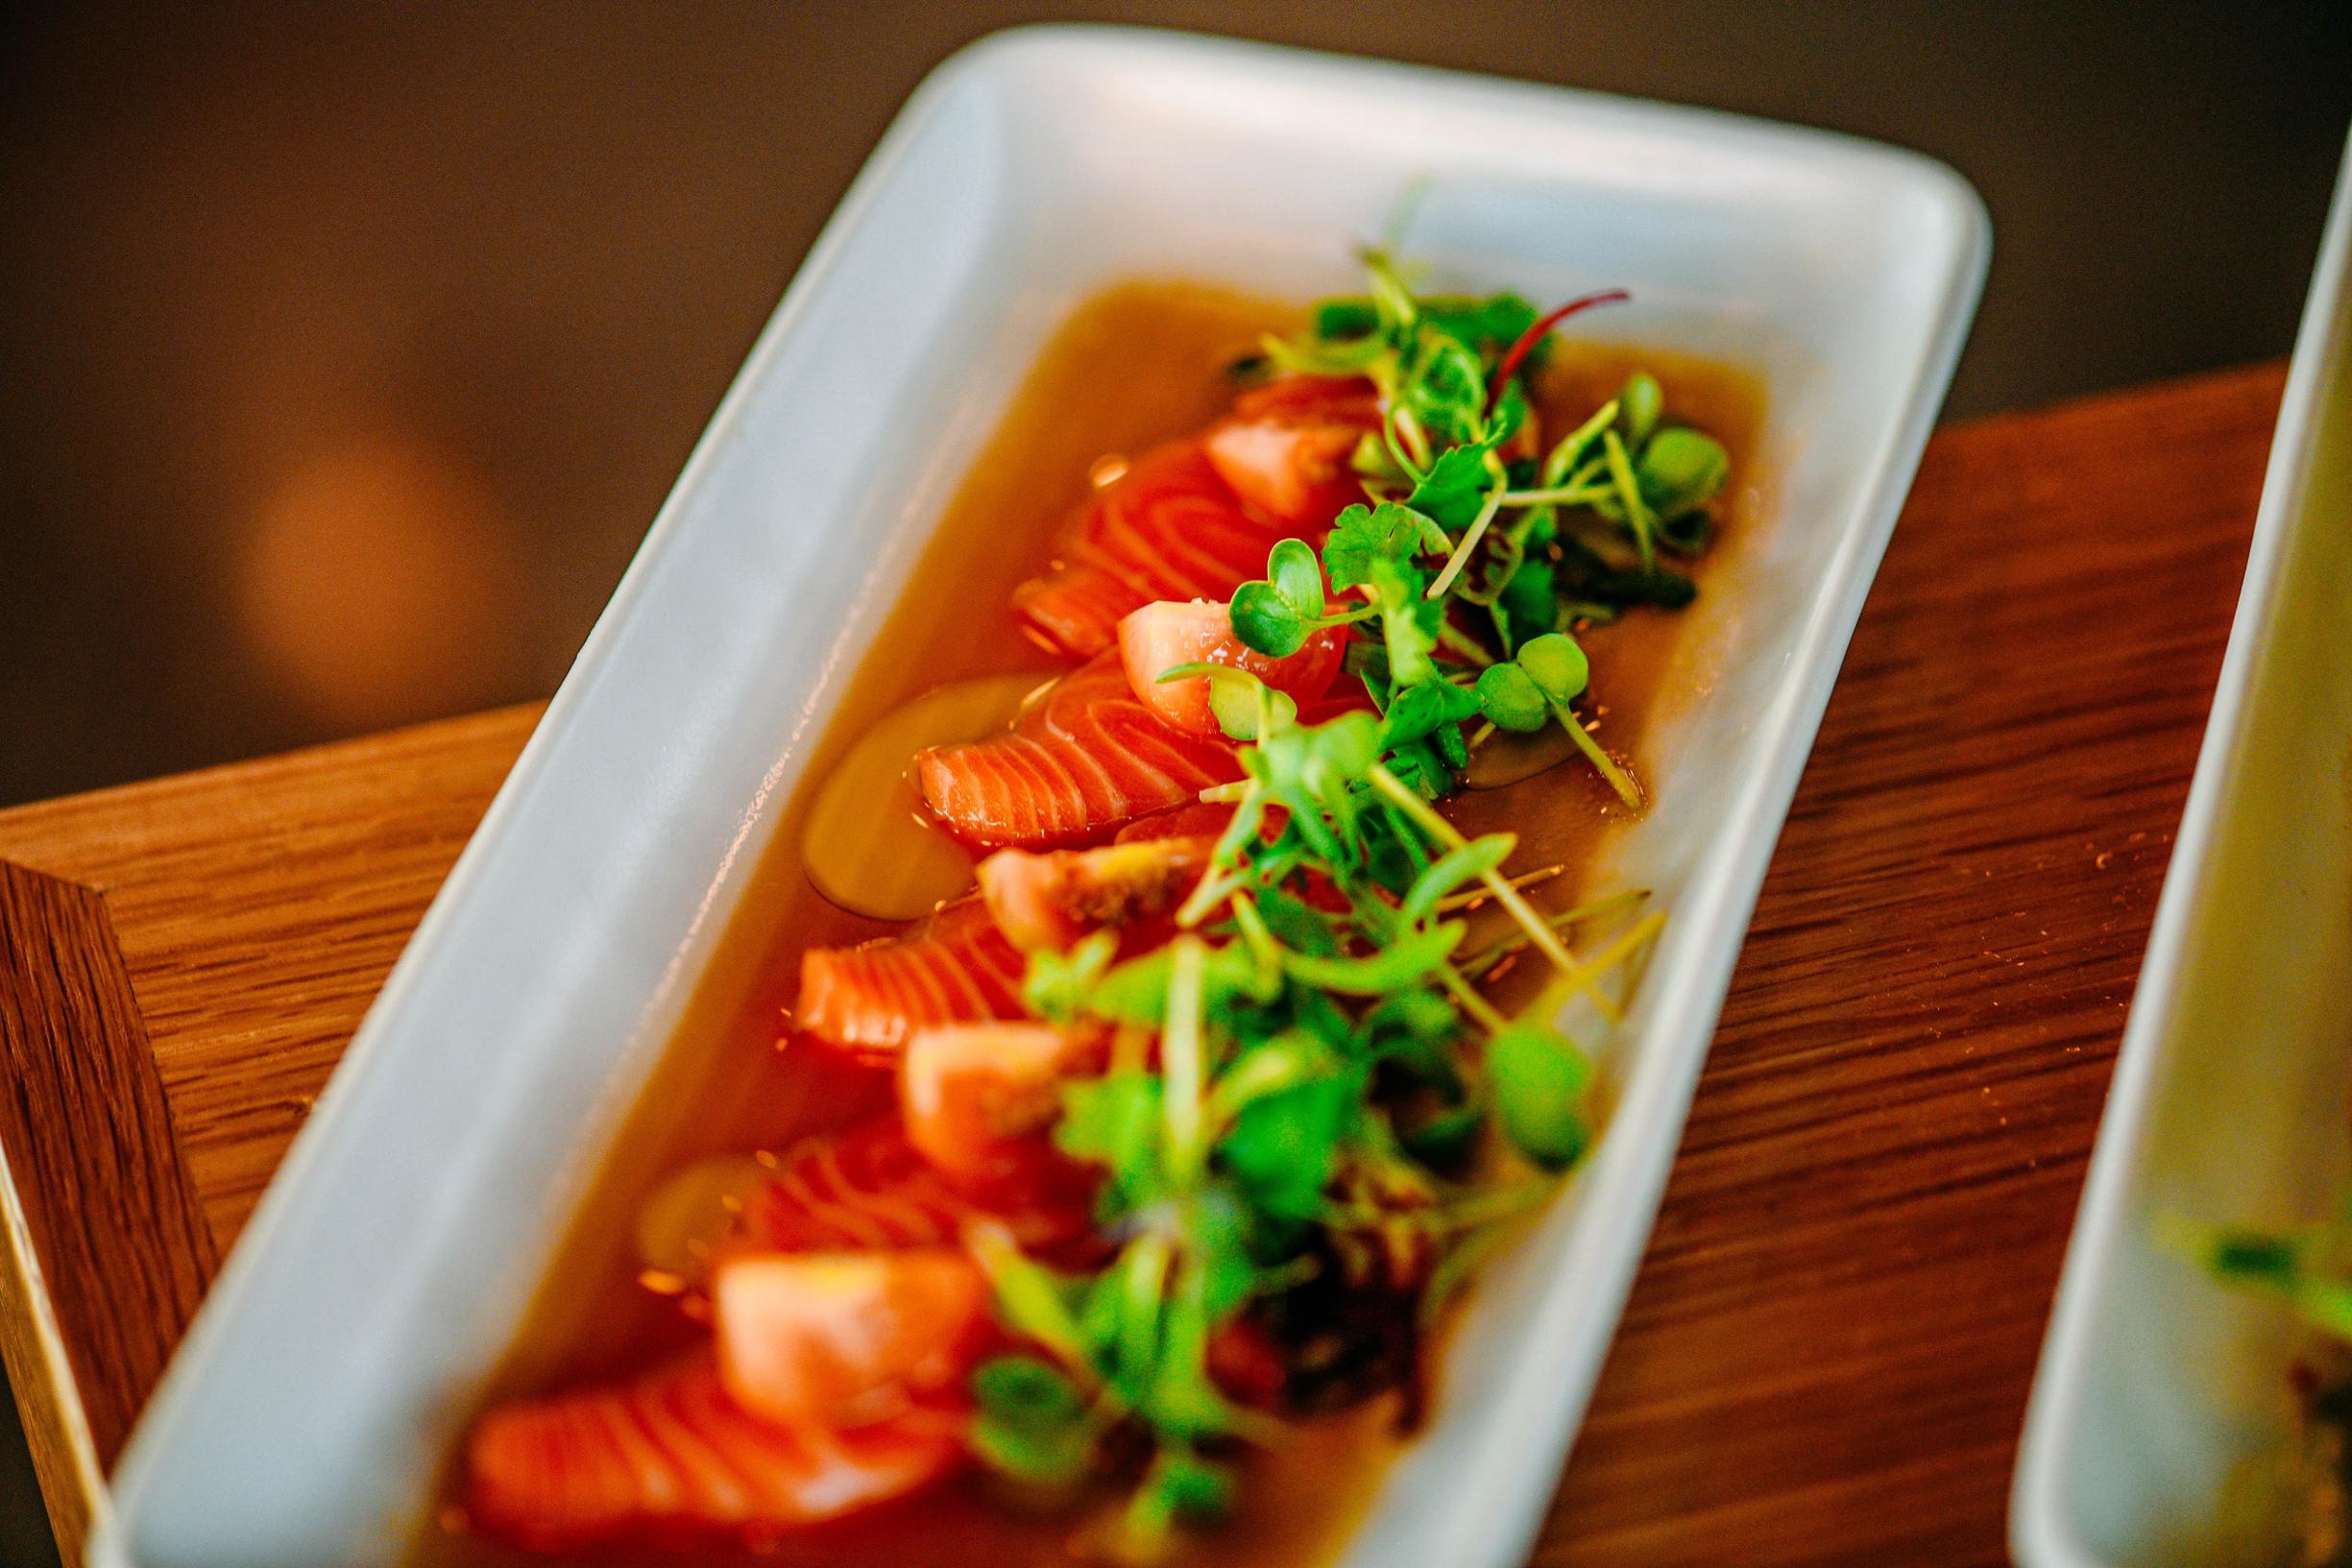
[[1085, 757], [1169, 528], [1285, 449], [954, 968], [672, 1453], [871, 1188]]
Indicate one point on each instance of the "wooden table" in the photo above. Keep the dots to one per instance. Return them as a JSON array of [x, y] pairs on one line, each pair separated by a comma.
[[1827, 1355]]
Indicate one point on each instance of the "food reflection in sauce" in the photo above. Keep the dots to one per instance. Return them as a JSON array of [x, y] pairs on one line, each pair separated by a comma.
[[1119, 1196]]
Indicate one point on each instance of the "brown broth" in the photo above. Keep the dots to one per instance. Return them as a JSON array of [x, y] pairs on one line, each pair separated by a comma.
[[1137, 364]]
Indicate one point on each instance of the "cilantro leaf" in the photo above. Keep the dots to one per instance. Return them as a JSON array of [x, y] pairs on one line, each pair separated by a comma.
[[1510, 411], [1447, 391], [1363, 535], [1454, 488], [1485, 325]]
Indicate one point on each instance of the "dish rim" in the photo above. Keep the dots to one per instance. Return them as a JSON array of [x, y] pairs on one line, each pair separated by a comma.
[[2041, 1531]]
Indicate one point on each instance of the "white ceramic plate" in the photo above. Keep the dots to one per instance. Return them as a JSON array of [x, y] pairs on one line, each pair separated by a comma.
[[385, 1269], [2158, 1386]]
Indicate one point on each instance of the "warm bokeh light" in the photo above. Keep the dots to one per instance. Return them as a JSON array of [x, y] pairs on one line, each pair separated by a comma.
[[370, 584]]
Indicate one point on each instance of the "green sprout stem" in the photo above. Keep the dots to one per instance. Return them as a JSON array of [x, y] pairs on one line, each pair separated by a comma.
[[1472, 1002], [1629, 496], [1587, 975], [1558, 495], [1014, 1278], [1415, 439], [1424, 817], [1181, 1058], [1485, 959], [1525, 879], [1617, 776], [1564, 456], [1255, 931], [1470, 537], [1454, 640]]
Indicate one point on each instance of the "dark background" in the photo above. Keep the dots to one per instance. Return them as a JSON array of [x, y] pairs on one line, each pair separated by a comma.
[[345, 355]]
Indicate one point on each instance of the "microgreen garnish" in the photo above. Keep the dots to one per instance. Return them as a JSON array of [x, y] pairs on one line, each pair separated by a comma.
[[1309, 1090], [1304, 1065], [1276, 613], [2309, 1267], [1470, 546], [1537, 330]]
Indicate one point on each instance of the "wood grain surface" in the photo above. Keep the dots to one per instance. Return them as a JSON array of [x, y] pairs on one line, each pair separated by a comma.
[[125, 1254], [1826, 1352]]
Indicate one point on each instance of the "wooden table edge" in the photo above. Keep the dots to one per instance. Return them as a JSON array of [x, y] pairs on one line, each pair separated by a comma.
[[48, 1401], [38, 1365]]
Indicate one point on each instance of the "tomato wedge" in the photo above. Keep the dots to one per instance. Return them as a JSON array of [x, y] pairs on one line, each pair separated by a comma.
[[822, 1336], [976, 1097], [1052, 900], [1285, 448], [1159, 636]]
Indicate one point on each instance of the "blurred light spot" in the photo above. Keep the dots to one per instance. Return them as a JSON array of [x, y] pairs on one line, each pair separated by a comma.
[[370, 585]]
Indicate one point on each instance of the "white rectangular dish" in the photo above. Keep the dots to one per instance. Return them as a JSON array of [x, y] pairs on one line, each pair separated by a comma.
[[2158, 1387], [383, 1274]]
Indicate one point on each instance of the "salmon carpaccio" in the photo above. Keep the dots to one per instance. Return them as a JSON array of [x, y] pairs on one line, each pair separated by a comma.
[[952, 967], [1192, 518], [1084, 760]]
